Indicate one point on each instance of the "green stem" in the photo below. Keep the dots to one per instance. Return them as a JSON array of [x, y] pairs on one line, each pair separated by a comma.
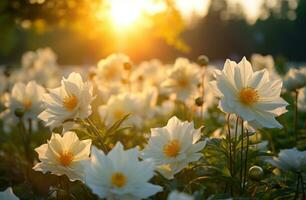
[[295, 118], [297, 187], [98, 134], [241, 157], [93, 126], [302, 184], [230, 149], [29, 142], [25, 146], [203, 93], [246, 161], [235, 144]]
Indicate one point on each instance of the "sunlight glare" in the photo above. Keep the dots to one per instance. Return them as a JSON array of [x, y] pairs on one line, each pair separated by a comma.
[[124, 13]]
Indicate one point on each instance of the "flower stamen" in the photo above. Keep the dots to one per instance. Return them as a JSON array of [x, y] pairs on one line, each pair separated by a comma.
[[27, 104], [66, 158], [118, 179], [70, 102], [172, 149], [248, 96]]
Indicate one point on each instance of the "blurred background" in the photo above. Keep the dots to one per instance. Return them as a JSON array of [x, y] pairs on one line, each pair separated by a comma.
[[84, 31]]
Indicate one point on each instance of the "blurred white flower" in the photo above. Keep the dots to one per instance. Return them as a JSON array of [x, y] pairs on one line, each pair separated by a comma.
[[10, 120], [209, 99], [41, 57], [174, 146], [40, 66], [120, 175], [302, 99], [183, 79], [149, 74], [64, 155], [69, 101], [175, 195], [133, 104], [165, 109], [295, 78], [26, 97], [111, 78], [290, 159], [111, 69], [261, 62], [251, 95], [8, 194]]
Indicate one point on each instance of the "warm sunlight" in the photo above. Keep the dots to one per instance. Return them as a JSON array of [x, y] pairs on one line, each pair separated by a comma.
[[127, 13], [124, 13]]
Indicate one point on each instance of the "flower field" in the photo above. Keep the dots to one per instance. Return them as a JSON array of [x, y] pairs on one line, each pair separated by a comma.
[[183, 130]]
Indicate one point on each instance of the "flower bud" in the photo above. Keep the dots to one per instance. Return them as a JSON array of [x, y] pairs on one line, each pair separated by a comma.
[[256, 173], [199, 101], [19, 112], [203, 60]]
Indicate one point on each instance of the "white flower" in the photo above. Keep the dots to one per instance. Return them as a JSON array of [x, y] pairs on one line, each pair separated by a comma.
[[111, 69], [64, 155], [26, 97], [133, 104], [166, 109], [183, 79], [8, 195], [69, 101], [175, 195], [290, 159], [261, 62], [295, 78], [120, 175], [42, 57], [149, 74], [209, 97], [251, 95], [302, 99], [174, 146], [41, 66], [110, 77]]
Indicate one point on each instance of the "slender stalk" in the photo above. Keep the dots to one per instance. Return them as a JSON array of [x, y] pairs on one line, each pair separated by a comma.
[[230, 149], [295, 118], [93, 126], [25, 146], [297, 187], [302, 184], [235, 144], [30, 126], [241, 156], [100, 138], [203, 93], [29, 140], [246, 161], [230, 144]]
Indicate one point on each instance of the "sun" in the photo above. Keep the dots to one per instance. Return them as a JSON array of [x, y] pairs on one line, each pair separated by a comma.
[[125, 13], [128, 13]]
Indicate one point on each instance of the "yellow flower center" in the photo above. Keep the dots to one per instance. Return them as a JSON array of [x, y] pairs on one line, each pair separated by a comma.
[[66, 158], [182, 83], [110, 73], [119, 114], [172, 149], [118, 179], [248, 96], [70, 102], [27, 104]]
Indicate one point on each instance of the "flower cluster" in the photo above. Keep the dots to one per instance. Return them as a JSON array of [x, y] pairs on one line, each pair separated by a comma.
[[127, 131]]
